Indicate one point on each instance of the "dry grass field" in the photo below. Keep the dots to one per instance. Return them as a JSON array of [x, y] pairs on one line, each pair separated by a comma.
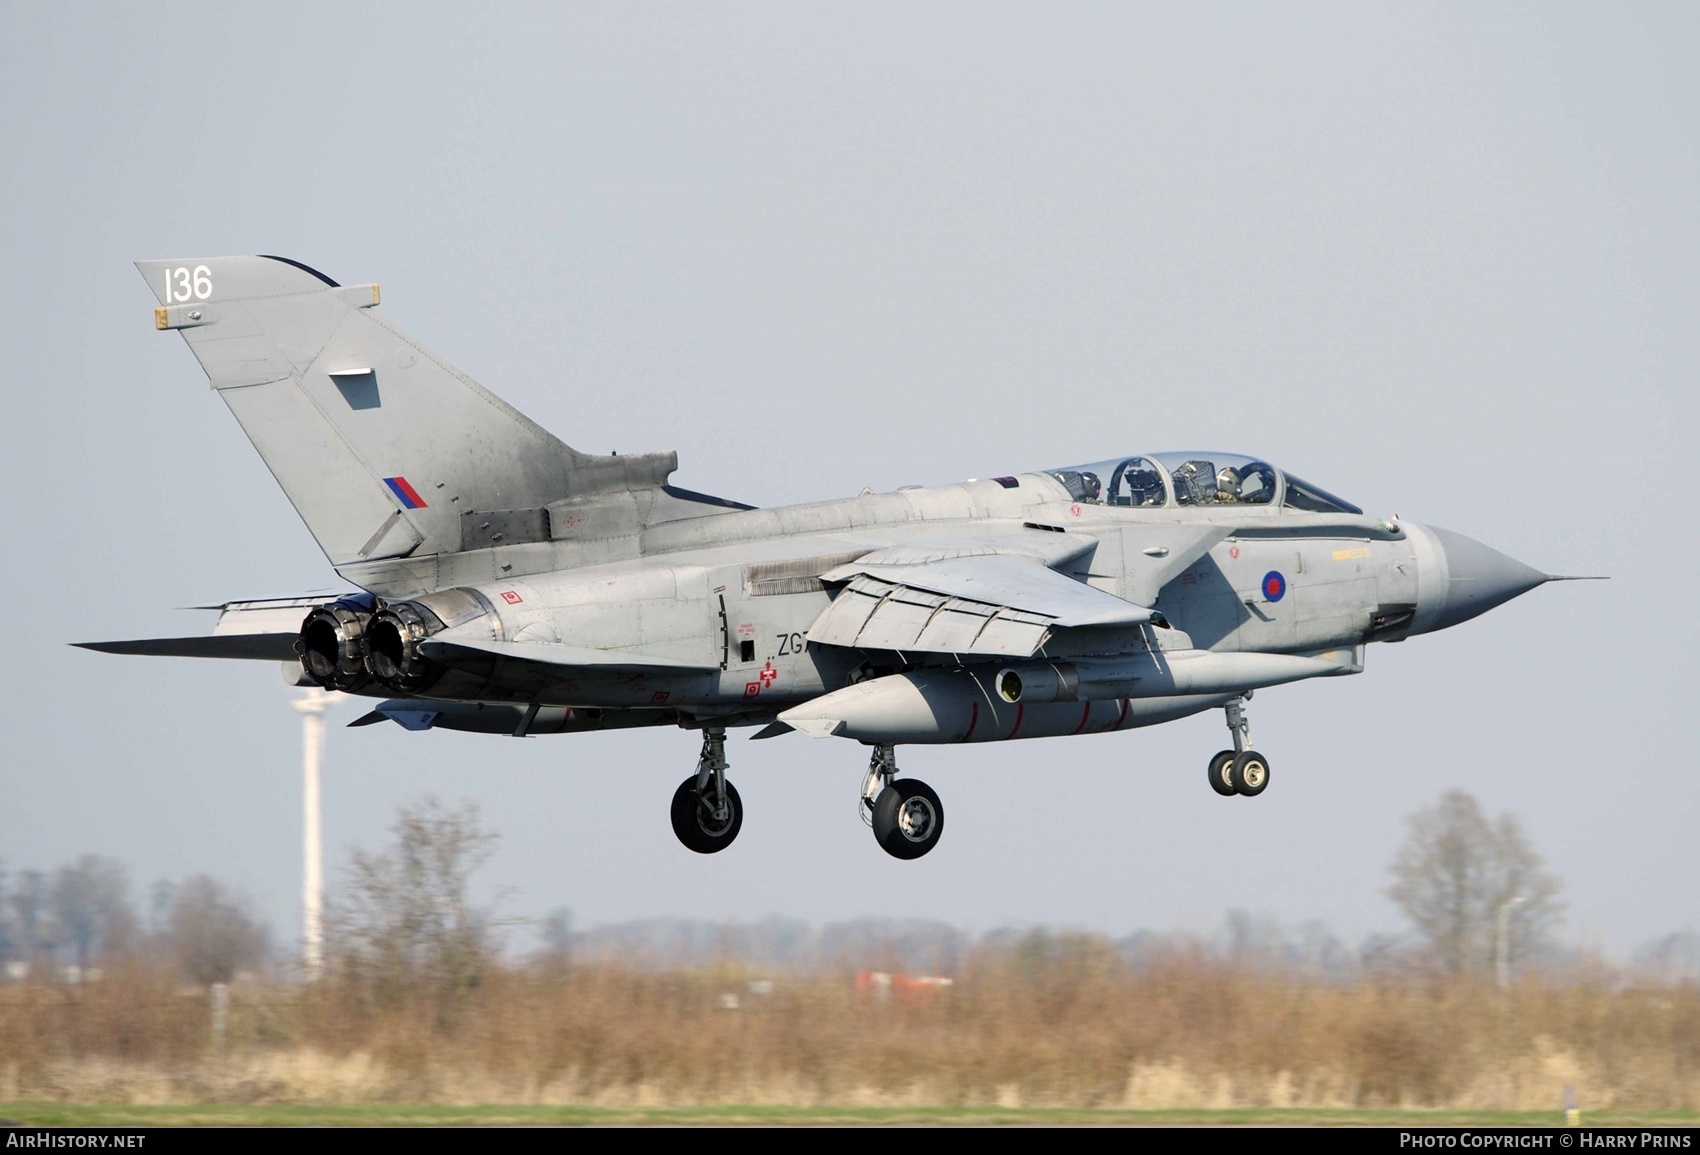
[[1067, 1026]]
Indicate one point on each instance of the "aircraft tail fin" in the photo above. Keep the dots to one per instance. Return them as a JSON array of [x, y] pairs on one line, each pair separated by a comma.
[[382, 446]]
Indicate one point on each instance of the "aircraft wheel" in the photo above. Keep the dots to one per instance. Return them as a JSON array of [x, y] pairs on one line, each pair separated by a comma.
[[908, 818], [1219, 774], [1250, 774], [694, 821]]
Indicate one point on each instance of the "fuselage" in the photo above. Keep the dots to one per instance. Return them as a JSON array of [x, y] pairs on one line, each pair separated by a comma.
[[737, 593]]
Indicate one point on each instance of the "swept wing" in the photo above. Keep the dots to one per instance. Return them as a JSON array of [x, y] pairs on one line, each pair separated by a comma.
[[991, 604]]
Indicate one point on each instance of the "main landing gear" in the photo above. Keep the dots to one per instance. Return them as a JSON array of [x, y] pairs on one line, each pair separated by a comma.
[[1239, 771], [906, 815], [707, 812]]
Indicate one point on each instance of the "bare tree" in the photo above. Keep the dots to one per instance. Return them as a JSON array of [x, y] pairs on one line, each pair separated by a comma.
[[556, 931], [91, 899], [213, 932], [1463, 880], [160, 898], [404, 924], [32, 916]]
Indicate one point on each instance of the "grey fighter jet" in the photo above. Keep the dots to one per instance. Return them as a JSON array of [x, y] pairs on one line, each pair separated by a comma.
[[510, 584]]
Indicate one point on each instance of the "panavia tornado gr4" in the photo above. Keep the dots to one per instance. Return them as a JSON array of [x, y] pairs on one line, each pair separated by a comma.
[[509, 584]]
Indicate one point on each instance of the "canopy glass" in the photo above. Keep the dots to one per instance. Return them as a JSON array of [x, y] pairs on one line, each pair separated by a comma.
[[1193, 479]]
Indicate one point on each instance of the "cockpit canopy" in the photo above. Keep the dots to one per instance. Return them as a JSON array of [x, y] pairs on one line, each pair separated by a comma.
[[1192, 479]]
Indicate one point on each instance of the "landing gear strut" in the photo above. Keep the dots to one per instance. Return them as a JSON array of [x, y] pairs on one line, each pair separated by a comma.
[[906, 815], [707, 812], [1239, 771]]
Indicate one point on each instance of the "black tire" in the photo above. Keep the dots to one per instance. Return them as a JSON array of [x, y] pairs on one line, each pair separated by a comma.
[[1219, 774], [1250, 774], [694, 823], [908, 818]]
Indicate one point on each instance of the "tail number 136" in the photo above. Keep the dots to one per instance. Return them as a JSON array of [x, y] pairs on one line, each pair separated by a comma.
[[186, 284]]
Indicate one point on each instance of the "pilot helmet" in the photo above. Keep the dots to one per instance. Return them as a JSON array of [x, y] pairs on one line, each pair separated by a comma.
[[1227, 484]]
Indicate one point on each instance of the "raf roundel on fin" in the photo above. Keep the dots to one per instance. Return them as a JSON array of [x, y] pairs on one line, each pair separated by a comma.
[[405, 493]]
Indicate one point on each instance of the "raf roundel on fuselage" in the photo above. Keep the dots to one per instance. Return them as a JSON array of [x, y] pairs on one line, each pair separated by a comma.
[[1160, 480]]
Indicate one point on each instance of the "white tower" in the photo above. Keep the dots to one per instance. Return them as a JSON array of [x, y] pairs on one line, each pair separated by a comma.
[[312, 706]]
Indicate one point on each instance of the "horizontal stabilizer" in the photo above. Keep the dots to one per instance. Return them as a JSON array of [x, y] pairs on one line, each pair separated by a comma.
[[254, 647], [460, 651], [260, 630]]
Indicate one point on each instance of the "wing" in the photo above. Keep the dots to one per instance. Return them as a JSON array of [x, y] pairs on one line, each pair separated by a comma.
[[252, 630], [990, 604]]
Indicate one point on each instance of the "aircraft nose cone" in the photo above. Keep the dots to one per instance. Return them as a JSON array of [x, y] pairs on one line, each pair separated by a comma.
[[1479, 578]]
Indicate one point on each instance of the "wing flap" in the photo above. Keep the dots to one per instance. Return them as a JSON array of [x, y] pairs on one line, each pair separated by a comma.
[[987, 604], [1006, 580]]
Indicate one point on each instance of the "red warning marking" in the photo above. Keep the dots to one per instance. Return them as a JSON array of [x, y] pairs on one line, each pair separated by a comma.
[[747, 630], [1084, 715], [1020, 709], [660, 696], [768, 674], [751, 689], [1074, 510], [511, 598], [1122, 717], [973, 721], [1233, 551]]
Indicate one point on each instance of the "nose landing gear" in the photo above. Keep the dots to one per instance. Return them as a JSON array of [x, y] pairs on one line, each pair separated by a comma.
[[707, 812], [906, 814], [1239, 771]]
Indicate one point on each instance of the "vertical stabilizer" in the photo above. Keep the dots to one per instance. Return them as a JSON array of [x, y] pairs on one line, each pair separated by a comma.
[[379, 443]]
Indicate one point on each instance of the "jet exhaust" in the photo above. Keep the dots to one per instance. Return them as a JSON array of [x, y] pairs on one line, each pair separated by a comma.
[[333, 644], [393, 658]]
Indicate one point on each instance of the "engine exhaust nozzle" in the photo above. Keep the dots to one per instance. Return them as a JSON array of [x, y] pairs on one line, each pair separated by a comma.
[[332, 644], [392, 651]]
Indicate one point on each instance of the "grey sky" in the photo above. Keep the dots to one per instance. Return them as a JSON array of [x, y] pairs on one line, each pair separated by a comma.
[[1439, 260]]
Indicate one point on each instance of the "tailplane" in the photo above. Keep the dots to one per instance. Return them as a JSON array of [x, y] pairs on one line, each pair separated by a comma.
[[381, 446]]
